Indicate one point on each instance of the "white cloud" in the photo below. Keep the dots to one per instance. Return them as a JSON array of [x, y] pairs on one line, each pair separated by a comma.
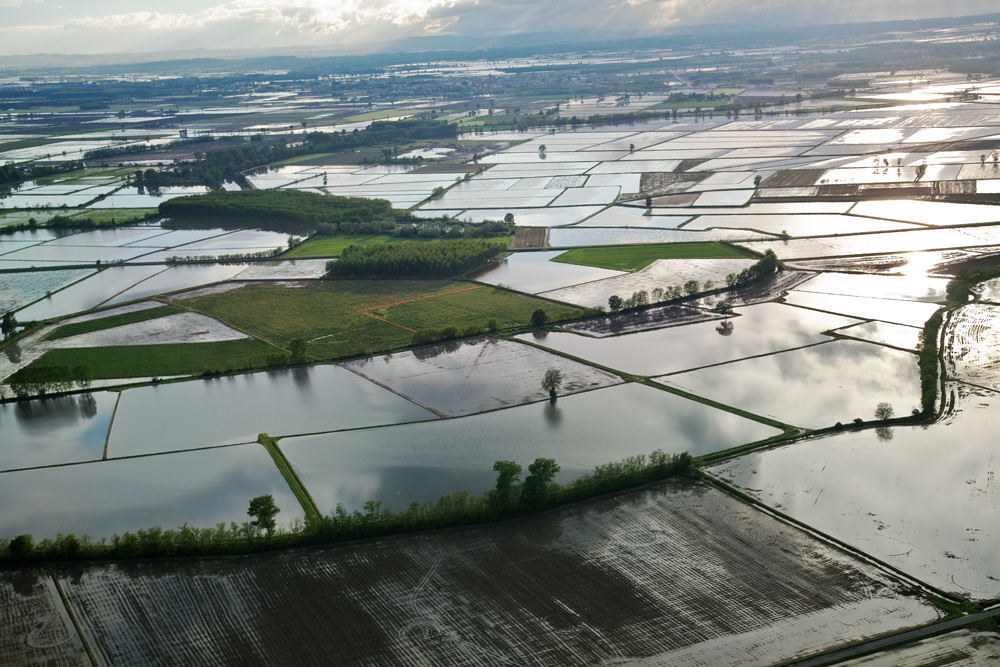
[[184, 24]]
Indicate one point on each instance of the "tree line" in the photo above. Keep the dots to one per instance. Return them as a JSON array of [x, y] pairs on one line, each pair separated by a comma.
[[411, 258], [33, 380], [510, 497], [278, 206]]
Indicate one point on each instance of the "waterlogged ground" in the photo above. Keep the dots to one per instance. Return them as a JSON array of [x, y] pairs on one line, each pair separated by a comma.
[[477, 375], [921, 498], [419, 462], [625, 579], [813, 386]]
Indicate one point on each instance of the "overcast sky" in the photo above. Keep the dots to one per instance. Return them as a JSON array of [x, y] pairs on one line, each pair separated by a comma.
[[103, 26]]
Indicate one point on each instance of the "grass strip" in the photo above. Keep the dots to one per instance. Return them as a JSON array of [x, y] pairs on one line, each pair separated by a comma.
[[633, 258], [294, 483], [77, 328], [131, 361]]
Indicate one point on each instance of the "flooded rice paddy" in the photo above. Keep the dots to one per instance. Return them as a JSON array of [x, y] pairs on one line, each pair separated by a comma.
[[476, 375], [199, 488], [760, 329], [208, 413], [55, 431], [400, 464], [921, 498], [813, 387]]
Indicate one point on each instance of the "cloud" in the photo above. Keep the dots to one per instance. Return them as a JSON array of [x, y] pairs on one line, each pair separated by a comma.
[[306, 17], [167, 24]]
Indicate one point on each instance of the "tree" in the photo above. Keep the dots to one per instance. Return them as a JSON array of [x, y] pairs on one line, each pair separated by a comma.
[[263, 509], [21, 547], [509, 218], [691, 287], [552, 381], [756, 181], [8, 325], [539, 318], [535, 486], [883, 411], [508, 473], [615, 303], [297, 346]]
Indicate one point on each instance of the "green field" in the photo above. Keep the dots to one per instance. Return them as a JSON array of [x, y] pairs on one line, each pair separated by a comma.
[[323, 246], [100, 324], [103, 216], [327, 313], [160, 360], [633, 258], [378, 115]]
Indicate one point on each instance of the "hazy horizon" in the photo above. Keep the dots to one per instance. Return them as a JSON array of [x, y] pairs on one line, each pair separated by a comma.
[[148, 26]]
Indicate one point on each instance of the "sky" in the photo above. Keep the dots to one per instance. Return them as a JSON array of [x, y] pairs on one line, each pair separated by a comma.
[[123, 26]]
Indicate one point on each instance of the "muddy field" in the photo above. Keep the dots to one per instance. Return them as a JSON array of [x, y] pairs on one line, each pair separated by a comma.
[[972, 345], [626, 578]]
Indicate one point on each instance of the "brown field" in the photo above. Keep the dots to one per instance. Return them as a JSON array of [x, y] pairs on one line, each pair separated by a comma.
[[530, 237], [676, 573], [792, 178]]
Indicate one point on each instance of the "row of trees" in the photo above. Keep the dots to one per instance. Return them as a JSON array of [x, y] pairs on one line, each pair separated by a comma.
[[658, 295], [510, 497], [411, 258], [33, 380]]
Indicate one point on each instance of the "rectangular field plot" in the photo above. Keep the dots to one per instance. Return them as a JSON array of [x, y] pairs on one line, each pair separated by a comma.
[[895, 311], [178, 278], [883, 333], [20, 289], [206, 413], [476, 375], [972, 349], [532, 217], [568, 237], [418, 462], [797, 225], [762, 329], [870, 244], [54, 431], [661, 273], [630, 577], [909, 287], [535, 272], [98, 499], [921, 499], [814, 387], [928, 212]]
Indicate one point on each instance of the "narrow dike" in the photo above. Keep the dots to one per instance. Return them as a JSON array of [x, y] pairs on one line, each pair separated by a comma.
[[292, 479]]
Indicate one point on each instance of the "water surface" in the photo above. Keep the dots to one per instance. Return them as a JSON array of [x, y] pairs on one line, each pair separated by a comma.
[[400, 464]]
